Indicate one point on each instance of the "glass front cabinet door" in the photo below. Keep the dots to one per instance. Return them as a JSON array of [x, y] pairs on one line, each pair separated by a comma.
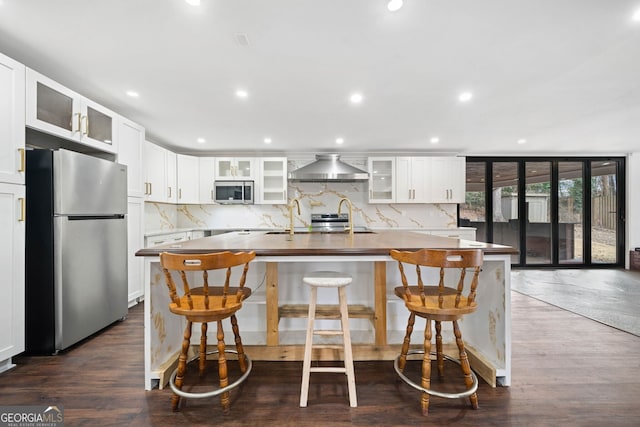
[[57, 110], [273, 180], [235, 168], [382, 173]]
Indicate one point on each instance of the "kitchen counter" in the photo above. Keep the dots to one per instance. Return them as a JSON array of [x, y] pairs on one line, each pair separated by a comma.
[[366, 255], [305, 243]]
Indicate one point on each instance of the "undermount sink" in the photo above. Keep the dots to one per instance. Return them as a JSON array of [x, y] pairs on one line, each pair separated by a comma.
[[307, 231]]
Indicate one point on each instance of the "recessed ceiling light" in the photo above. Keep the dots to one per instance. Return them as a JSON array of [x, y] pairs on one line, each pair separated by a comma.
[[394, 5], [133, 93], [201, 140], [339, 140], [267, 140], [241, 93], [356, 98], [636, 16], [434, 140], [193, 2], [465, 97], [522, 141]]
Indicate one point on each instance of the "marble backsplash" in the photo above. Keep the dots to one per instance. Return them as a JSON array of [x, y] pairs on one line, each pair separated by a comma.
[[314, 198]]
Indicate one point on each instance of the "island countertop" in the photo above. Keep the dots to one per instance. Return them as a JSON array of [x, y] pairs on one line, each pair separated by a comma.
[[309, 244]]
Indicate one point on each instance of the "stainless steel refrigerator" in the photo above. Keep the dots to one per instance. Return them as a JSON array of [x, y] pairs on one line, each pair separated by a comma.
[[76, 248]]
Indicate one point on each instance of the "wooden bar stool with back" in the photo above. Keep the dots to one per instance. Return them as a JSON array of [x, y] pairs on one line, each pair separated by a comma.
[[438, 303], [203, 304]]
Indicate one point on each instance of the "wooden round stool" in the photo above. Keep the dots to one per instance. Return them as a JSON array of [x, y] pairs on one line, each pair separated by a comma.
[[328, 279]]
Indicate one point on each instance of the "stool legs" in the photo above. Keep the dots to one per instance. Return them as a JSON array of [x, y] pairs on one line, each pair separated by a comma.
[[407, 341], [182, 365], [348, 354], [242, 360], [306, 364], [202, 362], [439, 353], [222, 368], [426, 368], [464, 364]]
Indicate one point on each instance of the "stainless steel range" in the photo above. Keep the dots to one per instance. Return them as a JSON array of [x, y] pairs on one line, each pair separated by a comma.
[[329, 222]]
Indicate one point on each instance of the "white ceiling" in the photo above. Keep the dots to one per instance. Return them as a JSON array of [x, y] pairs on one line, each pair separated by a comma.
[[562, 74]]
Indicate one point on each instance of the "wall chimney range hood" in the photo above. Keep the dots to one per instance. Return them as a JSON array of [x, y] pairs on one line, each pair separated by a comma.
[[328, 167]]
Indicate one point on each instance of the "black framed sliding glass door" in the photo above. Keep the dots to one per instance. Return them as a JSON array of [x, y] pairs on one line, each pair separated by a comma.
[[558, 212]]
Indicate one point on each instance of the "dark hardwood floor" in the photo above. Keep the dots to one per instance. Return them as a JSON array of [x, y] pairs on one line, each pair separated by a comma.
[[567, 370]]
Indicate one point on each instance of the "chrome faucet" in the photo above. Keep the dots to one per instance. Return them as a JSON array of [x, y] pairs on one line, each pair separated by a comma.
[[297, 203], [344, 199]]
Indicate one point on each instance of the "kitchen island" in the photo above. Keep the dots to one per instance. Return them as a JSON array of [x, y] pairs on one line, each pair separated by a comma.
[[281, 261]]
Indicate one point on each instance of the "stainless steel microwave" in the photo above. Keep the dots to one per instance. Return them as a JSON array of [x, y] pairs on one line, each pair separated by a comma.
[[234, 192]]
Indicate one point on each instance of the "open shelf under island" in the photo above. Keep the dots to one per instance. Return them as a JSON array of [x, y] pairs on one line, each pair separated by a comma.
[[273, 318]]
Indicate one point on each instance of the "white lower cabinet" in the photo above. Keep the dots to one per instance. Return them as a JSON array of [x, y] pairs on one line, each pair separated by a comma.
[[12, 263], [454, 233], [163, 239], [135, 241]]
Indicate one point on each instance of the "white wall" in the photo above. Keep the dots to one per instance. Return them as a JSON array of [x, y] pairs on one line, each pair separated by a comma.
[[633, 203]]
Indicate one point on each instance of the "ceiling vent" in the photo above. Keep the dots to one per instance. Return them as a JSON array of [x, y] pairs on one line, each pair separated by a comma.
[[241, 39]]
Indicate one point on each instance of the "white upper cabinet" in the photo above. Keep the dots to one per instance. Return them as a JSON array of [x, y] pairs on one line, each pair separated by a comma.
[[447, 180], [272, 185], [235, 168], [12, 122], [155, 160], [131, 137], [55, 109], [382, 179], [206, 171], [188, 179], [411, 179], [171, 174]]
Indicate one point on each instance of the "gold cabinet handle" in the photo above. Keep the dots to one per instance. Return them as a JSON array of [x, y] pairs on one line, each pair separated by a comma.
[[22, 166], [179, 193], [78, 117], [169, 191], [212, 198], [22, 210], [86, 125]]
